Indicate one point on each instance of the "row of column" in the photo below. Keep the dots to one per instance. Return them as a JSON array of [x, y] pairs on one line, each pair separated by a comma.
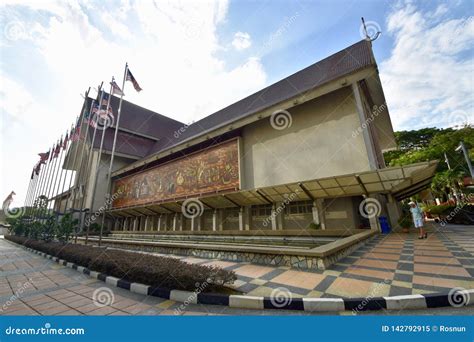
[[245, 218]]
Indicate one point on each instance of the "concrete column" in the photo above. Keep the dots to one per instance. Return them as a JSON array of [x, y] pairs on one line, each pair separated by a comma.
[[193, 219], [273, 217], [278, 213], [146, 222], [135, 222], [214, 220], [241, 218], [220, 219], [159, 223], [199, 222], [319, 203], [247, 217], [175, 218], [181, 222], [364, 125], [393, 210]]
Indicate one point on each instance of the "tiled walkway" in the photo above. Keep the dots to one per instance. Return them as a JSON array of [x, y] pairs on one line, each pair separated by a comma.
[[397, 264], [387, 265]]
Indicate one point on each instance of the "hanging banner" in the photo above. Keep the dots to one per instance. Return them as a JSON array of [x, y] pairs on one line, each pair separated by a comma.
[[214, 169]]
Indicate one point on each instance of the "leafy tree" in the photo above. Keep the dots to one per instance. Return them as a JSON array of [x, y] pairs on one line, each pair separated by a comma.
[[431, 144]]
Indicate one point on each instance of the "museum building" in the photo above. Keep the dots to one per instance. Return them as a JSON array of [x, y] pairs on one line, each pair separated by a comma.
[[298, 158]]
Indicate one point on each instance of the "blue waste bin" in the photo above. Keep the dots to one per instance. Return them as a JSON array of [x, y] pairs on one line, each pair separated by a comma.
[[384, 225]]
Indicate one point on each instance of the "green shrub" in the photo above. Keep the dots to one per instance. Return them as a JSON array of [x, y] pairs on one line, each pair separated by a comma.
[[313, 225], [148, 269], [66, 227]]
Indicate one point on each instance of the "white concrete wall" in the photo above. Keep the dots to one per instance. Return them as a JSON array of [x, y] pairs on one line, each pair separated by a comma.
[[319, 143]]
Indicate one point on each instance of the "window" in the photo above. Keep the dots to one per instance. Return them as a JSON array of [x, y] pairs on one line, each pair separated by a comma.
[[261, 210], [298, 208]]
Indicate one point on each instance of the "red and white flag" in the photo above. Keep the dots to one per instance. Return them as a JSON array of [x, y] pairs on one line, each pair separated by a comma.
[[133, 80], [116, 89]]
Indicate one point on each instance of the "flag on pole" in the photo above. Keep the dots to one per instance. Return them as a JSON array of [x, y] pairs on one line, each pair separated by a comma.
[[105, 99], [66, 139], [58, 148], [133, 80], [37, 169], [43, 157], [75, 136], [116, 89]]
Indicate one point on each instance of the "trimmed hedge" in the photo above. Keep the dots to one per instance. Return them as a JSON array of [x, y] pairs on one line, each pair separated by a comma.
[[156, 271]]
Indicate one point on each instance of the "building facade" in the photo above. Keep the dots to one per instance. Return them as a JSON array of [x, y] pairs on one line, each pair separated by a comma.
[[302, 156]]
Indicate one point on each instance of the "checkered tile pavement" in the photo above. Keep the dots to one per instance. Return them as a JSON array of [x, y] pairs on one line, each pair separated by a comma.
[[396, 264], [386, 266]]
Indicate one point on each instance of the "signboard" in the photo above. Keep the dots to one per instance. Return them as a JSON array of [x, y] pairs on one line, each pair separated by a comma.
[[211, 170]]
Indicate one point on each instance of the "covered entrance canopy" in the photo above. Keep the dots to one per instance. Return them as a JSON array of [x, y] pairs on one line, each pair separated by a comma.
[[400, 181]]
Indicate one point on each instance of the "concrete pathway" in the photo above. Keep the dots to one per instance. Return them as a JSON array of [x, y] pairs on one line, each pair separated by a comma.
[[388, 265]]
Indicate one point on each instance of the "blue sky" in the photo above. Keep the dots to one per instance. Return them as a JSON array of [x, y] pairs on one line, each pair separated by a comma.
[[193, 58]]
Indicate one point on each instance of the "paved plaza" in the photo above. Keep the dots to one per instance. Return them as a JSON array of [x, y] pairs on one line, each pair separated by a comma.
[[390, 265]]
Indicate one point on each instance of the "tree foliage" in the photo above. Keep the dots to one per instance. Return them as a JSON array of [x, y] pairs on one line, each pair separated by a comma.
[[431, 144]]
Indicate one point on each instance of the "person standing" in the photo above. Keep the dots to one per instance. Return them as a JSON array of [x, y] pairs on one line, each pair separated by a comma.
[[418, 221]]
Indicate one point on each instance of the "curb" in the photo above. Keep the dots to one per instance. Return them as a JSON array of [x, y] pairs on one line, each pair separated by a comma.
[[457, 297]]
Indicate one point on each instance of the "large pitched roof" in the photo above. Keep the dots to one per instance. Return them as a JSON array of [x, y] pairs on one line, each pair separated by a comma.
[[344, 62], [144, 133], [140, 129]]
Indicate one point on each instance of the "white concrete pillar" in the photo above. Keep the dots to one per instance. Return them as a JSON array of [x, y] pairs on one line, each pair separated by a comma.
[[175, 218], [146, 223], [159, 223], [319, 204], [214, 220], [193, 218], [241, 218], [181, 222], [199, 222]]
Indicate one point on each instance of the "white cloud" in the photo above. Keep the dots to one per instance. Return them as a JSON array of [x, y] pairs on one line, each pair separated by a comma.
[[170, 47], [241, 41], [428, 77]]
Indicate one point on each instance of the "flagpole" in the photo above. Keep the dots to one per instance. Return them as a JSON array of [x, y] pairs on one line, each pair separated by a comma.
[[69, 150], [39, 188], [43, 181], [109, 173], [28, 192], [89, 162], [52, 177], [53, 192], [79, 174], [61, 167], [97, 168]]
